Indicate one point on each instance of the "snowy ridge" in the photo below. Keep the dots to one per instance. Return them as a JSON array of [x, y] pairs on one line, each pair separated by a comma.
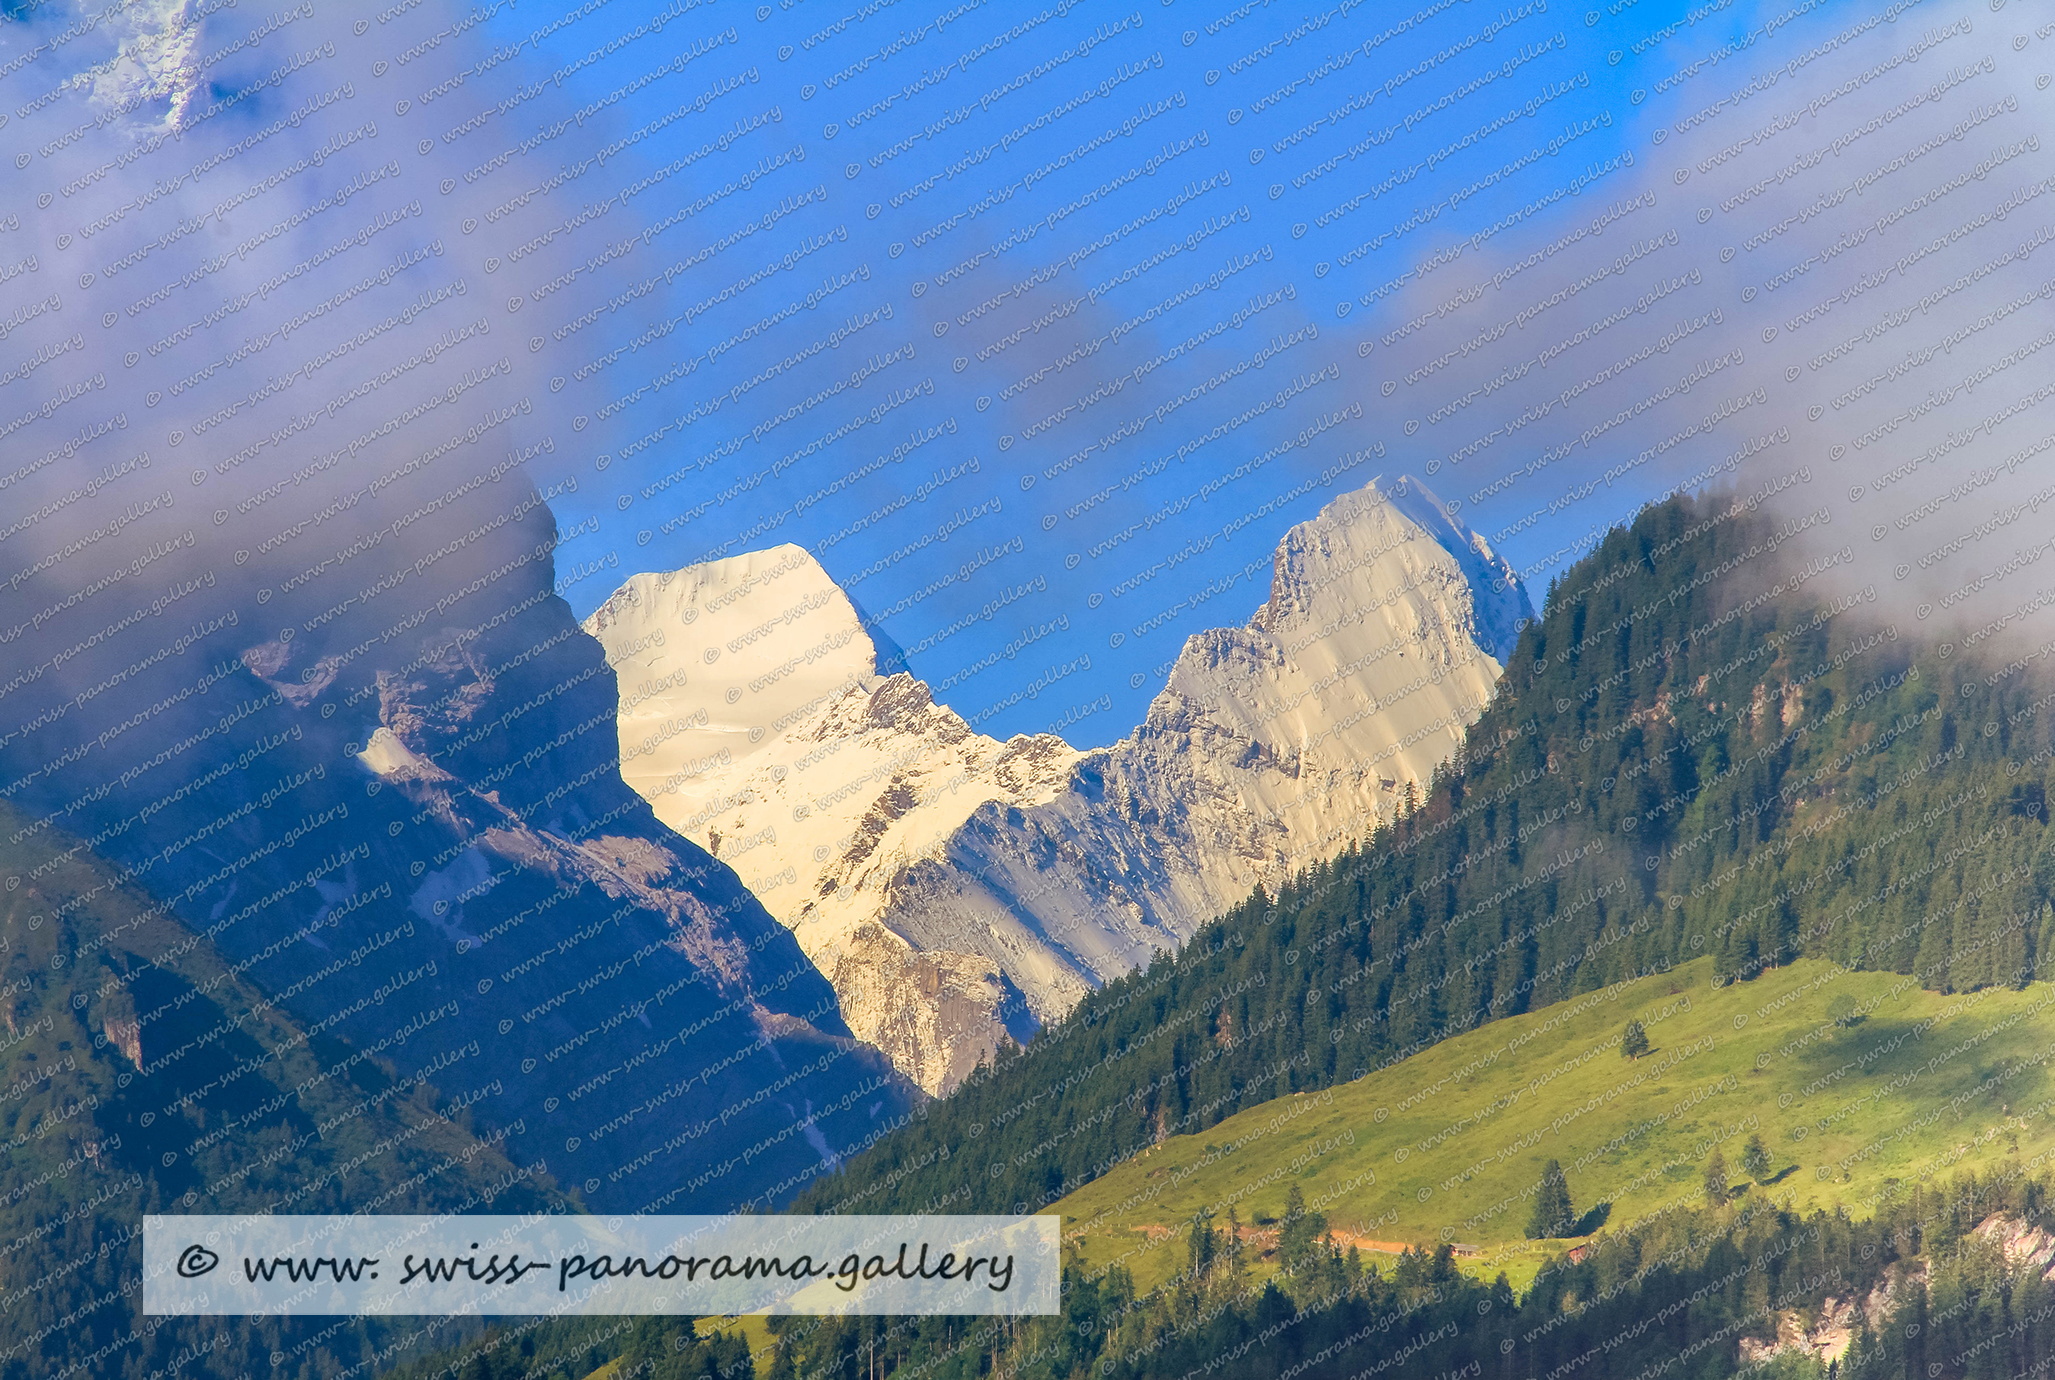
[[957, 890], [756, 721]]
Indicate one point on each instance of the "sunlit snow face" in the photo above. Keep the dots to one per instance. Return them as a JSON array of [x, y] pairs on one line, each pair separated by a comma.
[[156, 59]]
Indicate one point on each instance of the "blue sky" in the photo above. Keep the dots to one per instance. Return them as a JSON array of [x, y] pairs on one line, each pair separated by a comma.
[[1281, 138], [1040, 323]]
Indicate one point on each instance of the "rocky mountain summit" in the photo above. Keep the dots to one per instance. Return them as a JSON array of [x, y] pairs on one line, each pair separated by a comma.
[[391, 797], [761, 718], [957, 890]]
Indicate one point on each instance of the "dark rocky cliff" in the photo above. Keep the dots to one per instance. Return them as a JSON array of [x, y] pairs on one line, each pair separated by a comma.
[[385, 783]]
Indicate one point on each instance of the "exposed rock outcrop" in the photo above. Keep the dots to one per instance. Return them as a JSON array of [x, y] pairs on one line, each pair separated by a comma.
[[959, 890], [762, 717]]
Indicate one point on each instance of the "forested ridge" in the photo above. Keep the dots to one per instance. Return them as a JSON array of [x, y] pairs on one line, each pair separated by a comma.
[[143, 1074], [1695, 750], [1922, 1286], [1697, 1291]]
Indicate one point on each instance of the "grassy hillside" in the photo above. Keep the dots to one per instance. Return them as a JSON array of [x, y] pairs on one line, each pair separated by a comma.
[[1693, 755], [1450, 1144], [1915, 1088], [140, 1074], [1898, 1122], [1700, 1292]]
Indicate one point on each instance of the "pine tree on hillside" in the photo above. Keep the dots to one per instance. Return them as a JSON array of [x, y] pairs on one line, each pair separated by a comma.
[[1299, 1234], [1755, 1159], [1203, 1243], [1634, 1040], [1553, 1214], [1715, 1180]]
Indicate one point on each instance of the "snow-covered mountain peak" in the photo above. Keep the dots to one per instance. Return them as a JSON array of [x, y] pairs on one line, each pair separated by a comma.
[[956, 890], [764, 720], [1362, 549], [717, 664]]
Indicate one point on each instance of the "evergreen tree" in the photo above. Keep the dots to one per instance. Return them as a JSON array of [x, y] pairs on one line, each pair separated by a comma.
[[1634, 1040], [1755, 1159], [1553, 1215], [1298, 1236], [2044, 941], [1202, 1245], [1715, 1180]]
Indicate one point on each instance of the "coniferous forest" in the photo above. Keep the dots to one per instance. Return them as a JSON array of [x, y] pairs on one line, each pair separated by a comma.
[[1695, 751]]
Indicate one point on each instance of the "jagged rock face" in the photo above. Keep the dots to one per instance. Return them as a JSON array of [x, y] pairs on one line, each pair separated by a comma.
[[402, 812], [1272, 746], [931, 1013], [2025, 1244], [865, 808], [1828, 1337], [760, 719]]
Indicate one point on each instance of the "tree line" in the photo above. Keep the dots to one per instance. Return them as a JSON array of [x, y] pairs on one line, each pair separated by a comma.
[[1674, 764]]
